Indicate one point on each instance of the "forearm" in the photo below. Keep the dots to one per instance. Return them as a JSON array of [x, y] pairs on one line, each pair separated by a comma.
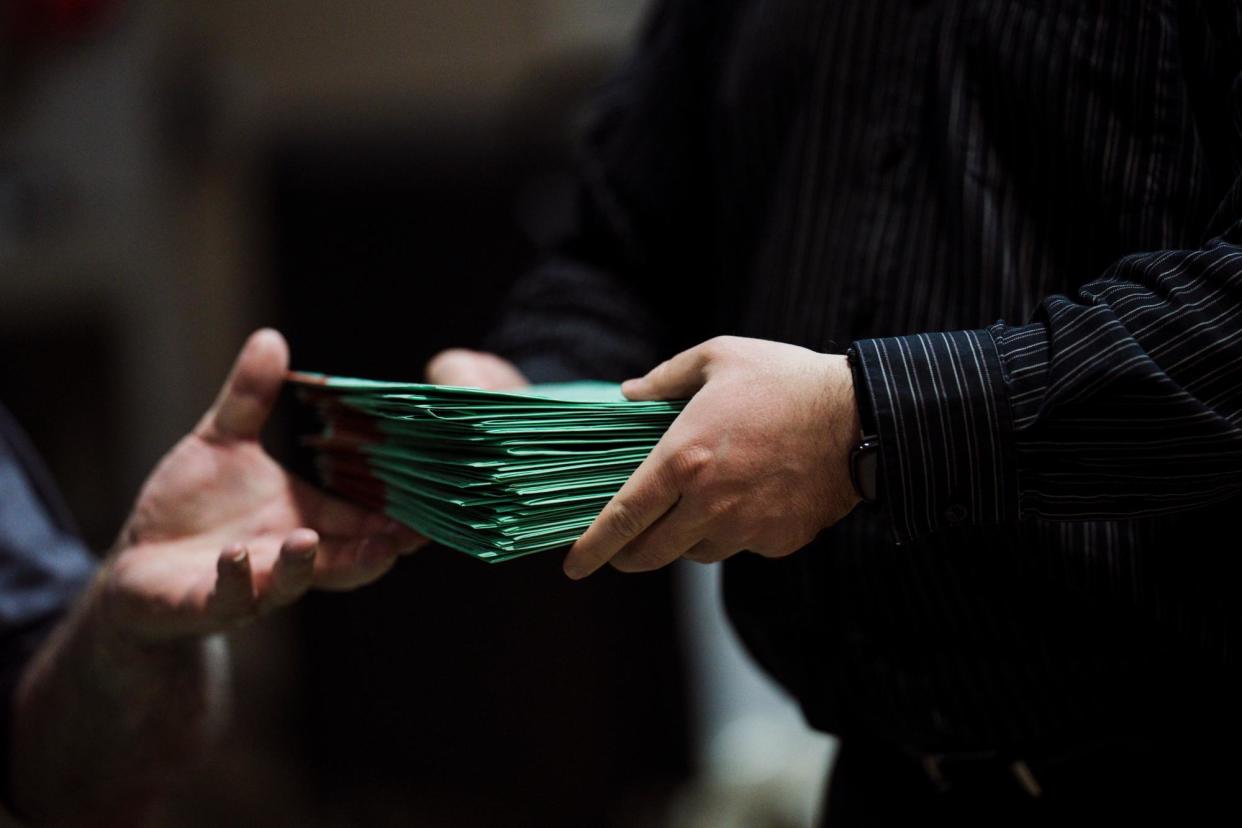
[[1121, 402], [101, 722]]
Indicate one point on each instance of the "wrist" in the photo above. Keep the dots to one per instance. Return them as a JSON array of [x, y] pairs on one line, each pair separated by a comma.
[[103, 716], [175, 689], [124, 652]]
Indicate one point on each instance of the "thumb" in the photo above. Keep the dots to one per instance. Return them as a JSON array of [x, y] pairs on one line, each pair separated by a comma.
[[250, 391], [673, 379]]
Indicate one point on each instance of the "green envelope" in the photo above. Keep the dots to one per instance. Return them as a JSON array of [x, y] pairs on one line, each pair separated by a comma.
[[496, 475]]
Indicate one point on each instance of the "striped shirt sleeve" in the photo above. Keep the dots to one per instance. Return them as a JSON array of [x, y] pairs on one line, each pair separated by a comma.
[[1122, 401]]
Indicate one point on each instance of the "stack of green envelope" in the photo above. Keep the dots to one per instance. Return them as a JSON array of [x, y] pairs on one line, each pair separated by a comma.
[[495, 475]]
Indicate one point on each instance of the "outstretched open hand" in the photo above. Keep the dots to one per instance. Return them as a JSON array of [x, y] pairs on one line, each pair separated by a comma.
[[221, 533]]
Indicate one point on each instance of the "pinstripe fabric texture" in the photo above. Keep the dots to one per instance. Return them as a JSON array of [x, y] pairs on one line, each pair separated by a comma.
[[1027, 216]]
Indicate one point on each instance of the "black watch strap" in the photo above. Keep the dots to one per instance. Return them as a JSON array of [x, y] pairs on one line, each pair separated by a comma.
[[865, 455], [864, 468]]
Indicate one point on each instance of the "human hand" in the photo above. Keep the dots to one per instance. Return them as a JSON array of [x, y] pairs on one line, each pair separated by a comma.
[[221, 533], [474, 369], [758, 460]]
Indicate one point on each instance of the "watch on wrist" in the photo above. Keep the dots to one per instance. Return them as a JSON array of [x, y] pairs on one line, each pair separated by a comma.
[[865, 455], [864, 467]]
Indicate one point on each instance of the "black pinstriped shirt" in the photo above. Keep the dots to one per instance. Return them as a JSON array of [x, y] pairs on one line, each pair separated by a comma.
[[1027, 217]]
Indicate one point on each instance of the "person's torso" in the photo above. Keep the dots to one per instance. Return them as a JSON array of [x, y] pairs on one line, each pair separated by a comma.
[[890, 167]]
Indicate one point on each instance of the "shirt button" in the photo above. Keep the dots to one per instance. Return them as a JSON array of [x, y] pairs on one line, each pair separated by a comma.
[[955, 514]]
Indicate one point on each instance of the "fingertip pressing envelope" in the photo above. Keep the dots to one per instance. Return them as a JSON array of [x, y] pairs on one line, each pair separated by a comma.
[[496, 475]]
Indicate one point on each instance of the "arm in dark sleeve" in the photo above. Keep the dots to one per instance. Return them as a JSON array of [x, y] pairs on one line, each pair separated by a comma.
[[43, 568], [1122, 401], [603, 301]]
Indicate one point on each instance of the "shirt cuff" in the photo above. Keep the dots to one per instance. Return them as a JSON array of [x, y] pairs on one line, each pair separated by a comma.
[[943, 418]]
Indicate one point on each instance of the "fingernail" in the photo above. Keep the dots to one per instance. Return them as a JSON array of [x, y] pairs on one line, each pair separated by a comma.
[[303, 554], [237, 554]]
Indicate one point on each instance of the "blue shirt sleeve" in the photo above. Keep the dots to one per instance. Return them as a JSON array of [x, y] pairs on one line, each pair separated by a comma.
[[43, 567]]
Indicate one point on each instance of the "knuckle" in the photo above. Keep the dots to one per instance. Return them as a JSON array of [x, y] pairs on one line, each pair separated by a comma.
[[691, 462], [623, 521], [779, 546], [704, 552], [641, 559], [719, 346], [751, 538], [721, 509]]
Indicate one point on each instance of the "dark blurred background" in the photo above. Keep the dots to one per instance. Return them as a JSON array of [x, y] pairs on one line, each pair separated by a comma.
[[369, 177]]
